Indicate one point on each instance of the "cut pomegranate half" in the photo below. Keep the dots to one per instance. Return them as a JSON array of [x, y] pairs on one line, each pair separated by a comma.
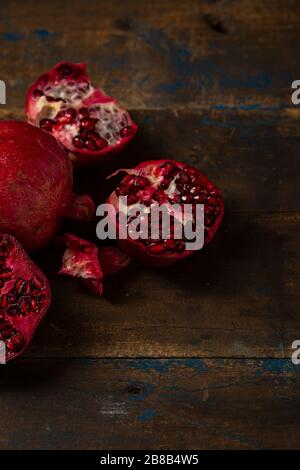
[[24, 296], [85, 260], [167, 182], [84, 119]]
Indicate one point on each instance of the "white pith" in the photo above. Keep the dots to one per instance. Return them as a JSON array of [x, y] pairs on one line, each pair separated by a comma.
[[111, 116]]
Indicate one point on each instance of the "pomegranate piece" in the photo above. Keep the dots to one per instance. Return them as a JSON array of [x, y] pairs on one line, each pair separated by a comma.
[[85, 260], [36, 179], [87, 122], [24, 296], [167, 182]]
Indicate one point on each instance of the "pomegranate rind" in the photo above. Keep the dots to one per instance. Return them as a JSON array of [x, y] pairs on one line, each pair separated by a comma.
[[135, 248], [38, 108], [83, 259], [22, 268]]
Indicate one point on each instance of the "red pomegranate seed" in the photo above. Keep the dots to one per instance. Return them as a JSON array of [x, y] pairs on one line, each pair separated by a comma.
[[36, 283], [37, 93], [66, 117], [157, 249], [20, 286], [84, 112], [47, 124], [16, 343], [78, 142], [4, 302], [126, 132], [99, 141], [91, 144], [88, 123], [83, 134], [65, 70]]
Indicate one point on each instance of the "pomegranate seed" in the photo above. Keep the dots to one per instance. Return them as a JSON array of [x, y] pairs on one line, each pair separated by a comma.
[[65, 70], [170, 244], [132, 199], [24, 306], [36, 283], [33, 304], [84, 112], [91, 144], [78, 142], [20, 286], [37, 93], [66, 117], [157, 249], [126, 132], [95, 137], [16, 343], [88, 123], [83, 134], [47, 124], [7, 274], [4, 302]]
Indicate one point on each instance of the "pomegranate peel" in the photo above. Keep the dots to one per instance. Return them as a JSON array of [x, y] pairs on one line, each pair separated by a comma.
[[85, 260], [24, 296], [86, 121]]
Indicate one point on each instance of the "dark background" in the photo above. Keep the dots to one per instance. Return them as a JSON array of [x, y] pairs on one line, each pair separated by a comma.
[[196, 356]]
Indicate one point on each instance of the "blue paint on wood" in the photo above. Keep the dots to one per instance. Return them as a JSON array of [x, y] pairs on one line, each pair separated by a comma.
[[44, 33], [163, 365], [13, 37], [279, 366], [147, 415]]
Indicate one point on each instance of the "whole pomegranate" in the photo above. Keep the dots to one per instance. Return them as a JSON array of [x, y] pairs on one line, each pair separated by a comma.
[[24, 296], [167, 182], [36, 185], [84, 119]]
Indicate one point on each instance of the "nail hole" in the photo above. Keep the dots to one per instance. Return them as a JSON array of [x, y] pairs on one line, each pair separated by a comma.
[[216, 23], [135, 390]]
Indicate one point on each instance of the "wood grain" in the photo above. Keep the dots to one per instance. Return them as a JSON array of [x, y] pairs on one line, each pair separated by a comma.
[[149, 404], [158, 54], [209, 83]]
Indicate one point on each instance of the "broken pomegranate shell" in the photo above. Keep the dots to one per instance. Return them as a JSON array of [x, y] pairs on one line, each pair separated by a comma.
[[83, 259], [167, 182], [24, 296], [86, 121], [36, 179]]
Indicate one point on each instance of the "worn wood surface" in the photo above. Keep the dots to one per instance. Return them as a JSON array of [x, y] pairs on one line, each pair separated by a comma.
[[209, 340]]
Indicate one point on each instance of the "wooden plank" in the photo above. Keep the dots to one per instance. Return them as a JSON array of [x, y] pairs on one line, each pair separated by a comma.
[[149, 404], [239, 297], [253, 155], [163, 53]]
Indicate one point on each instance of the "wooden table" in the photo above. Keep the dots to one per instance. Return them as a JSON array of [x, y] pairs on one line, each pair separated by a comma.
[[199, 355]]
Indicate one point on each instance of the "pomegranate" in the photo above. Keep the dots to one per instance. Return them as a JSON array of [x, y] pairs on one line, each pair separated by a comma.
[[24, 296], [85, 260], [36, 185], [84, 119], [167, 182]]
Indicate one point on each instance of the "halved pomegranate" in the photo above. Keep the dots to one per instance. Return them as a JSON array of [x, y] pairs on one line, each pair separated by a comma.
[[84, 119], [24, 296], [167, 182], [83, 259]]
